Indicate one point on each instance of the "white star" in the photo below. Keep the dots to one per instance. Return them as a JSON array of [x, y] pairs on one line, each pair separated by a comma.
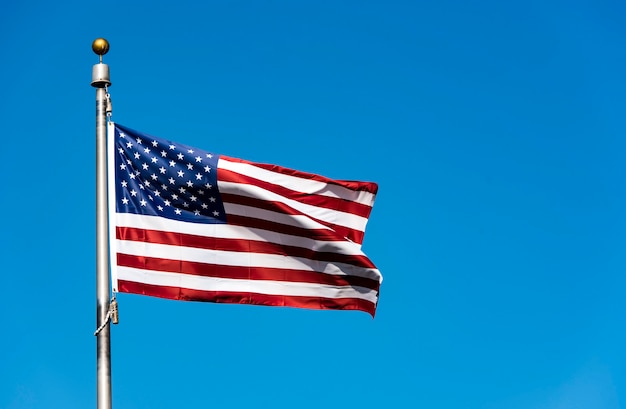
[[172, 163], [160, 208], [208, 186], [177, 211], [164, 187], [200, 192], [141, 187], [190, 151], [136, 155], [189, 166], [163, 153], [124, 183], [182, 190], [151, 198], [172, 181], [186, 204], [145, 166], [189, 183], [157, 193], [154, 160], [128, 161], [205, 206], [198, 159], [174, 196], [154, 177], [207, 169], [132, 192], [147, 183], [122, 134], [120, 150], [155, 144], [139, 141], [162, 169], [166, 203], [212, 199], [181, 173], [172, 147], [193, 198], [129, 145], [196, 212], [208, 155], [198, 176], [216, 213], [147, 150], [122, 166], [180, 156], [125, 201], [132, 175], [143, 202]]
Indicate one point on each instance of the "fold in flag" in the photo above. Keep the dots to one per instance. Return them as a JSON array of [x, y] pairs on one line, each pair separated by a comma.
[[187, 224]]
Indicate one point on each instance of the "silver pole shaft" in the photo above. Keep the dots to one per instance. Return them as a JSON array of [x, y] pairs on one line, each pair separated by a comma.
[[102, 262]]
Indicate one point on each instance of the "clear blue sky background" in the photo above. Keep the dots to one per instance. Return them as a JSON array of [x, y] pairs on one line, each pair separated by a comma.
[[495, 131]]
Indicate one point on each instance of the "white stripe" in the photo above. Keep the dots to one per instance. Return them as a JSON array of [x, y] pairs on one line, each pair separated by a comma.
[[254, 286], [344, 219], [225, 231], [297, 184], [242, 259]]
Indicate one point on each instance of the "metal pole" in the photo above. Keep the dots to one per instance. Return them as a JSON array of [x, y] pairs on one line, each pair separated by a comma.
[[100, 80]]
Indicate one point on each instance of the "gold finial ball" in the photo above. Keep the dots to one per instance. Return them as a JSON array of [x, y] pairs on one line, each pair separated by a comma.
[[100, 46]]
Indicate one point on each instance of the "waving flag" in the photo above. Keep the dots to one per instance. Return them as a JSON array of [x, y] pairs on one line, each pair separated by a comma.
[[188, 224]]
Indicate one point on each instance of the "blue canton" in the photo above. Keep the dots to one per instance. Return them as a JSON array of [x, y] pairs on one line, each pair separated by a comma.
[[157, 177]]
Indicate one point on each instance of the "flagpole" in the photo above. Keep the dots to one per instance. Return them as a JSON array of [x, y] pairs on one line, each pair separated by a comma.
[[100, 80]]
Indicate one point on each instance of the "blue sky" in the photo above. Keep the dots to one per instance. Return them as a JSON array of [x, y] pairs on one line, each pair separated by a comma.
[[495, 133]]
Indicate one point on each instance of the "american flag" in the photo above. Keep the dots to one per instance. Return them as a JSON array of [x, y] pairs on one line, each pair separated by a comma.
[[188, 224]]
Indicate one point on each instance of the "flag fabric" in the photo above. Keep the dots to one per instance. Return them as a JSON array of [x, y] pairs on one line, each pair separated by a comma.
[[188, 224]]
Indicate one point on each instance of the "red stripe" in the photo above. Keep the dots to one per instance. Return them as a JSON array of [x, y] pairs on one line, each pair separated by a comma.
[[313, 234], [240, 245], [342, 231], [242, 272], [318, 234], [370, 187], [185, 294], [333, 203]]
